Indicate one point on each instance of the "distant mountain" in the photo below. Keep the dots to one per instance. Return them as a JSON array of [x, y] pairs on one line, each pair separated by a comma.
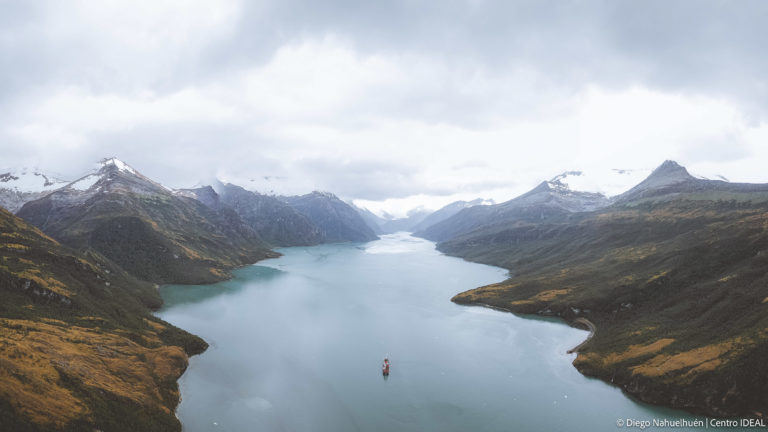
[[80, 348], [147, 229], [670, 180], [24, 185], [277, 223], [413, 218], [673, 275], [223, 216], [448, 211], [371, 219], [550, 199], [337, 221]]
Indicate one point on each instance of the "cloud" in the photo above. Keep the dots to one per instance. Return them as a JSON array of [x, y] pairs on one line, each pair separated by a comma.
[[383, 101], [704, 47]]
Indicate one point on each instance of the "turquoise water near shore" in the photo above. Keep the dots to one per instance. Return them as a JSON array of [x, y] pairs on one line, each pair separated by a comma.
[[297, 343]]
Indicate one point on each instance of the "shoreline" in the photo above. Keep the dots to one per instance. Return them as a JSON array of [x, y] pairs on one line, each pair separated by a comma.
[[592, 331], [637, 397], [592, 328]]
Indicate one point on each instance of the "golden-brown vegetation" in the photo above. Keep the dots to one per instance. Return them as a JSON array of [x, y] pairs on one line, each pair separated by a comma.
[[635, 351], [35, 355], [675, 288], [75, 352]]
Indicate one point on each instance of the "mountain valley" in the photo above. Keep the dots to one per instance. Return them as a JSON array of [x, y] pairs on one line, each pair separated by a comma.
[[671, 272]]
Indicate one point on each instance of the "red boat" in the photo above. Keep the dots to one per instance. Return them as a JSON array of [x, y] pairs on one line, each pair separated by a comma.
[[385, 367]]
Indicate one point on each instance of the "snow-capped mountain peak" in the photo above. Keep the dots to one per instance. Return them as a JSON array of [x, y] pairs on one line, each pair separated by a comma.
[[116, 163], [112, 174]]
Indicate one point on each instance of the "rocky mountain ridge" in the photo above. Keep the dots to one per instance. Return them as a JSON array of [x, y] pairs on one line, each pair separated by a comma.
[[337, 221], [154, 233], [550, 199]]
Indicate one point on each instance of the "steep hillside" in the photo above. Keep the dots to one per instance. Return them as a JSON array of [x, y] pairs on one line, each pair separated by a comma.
[[78, 346], [145, 228], [448, 211], [275, 221], [371, 219], [676, 282], [338, 222]]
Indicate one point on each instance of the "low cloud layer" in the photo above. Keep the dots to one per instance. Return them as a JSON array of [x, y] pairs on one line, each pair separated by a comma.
[[393, 102]]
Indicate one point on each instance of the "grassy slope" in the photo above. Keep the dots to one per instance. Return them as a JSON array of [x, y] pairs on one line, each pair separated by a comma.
[[678, 291], [79, 347]]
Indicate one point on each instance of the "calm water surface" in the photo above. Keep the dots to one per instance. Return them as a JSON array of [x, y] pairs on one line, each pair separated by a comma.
[[297, 343]]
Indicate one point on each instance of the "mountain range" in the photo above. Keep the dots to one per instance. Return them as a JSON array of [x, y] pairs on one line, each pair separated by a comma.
[[337, 221], [417, 219], [448, 211], [549, 200], [672, 273], [150, 231], [79, 267], [193, 235], [407, 223], [276, 222]]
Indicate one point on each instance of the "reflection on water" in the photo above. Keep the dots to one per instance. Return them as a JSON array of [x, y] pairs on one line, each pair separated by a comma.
[[175, 295], [297, 344], [405, 244]]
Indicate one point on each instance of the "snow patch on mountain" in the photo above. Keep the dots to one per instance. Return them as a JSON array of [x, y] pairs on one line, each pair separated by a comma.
[[86, 182], [112, 174], [29, 180], [609, 182], [324, 194], [711, 177], [22, 185]]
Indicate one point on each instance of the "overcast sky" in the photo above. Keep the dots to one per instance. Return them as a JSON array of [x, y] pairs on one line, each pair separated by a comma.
[[393, 104]]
